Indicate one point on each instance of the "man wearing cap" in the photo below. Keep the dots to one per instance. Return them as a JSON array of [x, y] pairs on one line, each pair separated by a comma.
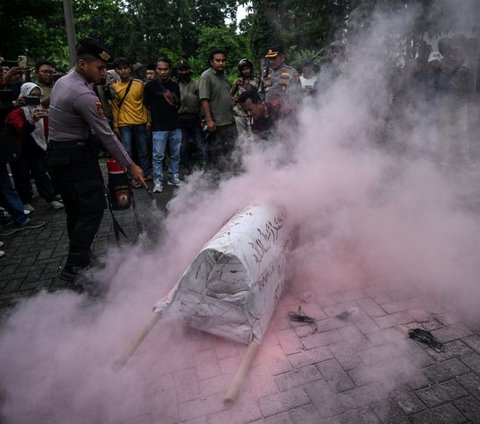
[[216, 102], [193, 149], [75, 114], [282, 81]]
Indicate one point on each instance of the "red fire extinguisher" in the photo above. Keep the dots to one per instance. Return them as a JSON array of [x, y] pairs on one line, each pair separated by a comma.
[[119, 189]]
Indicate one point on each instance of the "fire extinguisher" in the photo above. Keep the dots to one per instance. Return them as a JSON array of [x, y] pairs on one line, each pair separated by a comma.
[[119, 189]]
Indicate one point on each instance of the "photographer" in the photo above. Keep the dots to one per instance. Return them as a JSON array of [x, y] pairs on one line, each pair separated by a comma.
[[31, 130], [14, 74]]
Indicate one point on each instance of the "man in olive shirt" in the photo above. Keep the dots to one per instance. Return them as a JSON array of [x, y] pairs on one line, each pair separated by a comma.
[[76, 112], [216, 102]]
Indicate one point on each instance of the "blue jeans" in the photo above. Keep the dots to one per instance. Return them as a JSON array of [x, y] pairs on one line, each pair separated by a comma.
[[161, 139], [136, 135], [9, 198]]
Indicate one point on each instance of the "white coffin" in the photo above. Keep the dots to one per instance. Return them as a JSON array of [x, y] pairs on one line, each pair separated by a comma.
[[233, 285]]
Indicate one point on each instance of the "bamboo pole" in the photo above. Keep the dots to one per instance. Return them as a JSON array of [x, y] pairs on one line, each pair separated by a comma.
[[242, 371], [135, 342]]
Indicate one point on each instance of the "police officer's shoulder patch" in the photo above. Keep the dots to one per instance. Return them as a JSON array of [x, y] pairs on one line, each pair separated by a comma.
[[100, 109]]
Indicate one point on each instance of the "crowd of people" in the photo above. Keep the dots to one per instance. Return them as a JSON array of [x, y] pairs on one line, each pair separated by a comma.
[[169, 120]]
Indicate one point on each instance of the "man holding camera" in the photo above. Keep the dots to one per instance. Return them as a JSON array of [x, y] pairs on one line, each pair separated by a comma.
[[76, 112]]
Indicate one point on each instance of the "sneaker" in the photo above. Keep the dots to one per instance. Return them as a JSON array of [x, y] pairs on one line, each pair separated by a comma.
[[1, 243], [174, 180], [55, 204], [28, 207], [26, 212], [158, 187], [29, 225], [2, 253]]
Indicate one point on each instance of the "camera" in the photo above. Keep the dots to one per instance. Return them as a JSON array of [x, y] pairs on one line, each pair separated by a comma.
[[32, 100], [9, 63]]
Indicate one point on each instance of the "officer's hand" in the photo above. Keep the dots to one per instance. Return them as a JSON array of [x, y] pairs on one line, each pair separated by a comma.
[[137, 174], [211, 127]]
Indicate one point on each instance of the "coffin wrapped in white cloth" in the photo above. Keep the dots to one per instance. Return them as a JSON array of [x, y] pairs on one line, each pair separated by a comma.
[[232, 286]]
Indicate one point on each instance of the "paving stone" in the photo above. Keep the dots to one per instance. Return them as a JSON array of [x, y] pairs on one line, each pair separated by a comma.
[[284, 401], [445, 414], [389, 321], [472, 360], [379, 295], [371, 308], [469, 407], [346, 355], [473, 341], [348, 295], [206, 364], [451, 333], [441, 393], [297, 377], [309, 357], [187, 385], [364, 323], [380, 337], [244, 410], [335, 376], [354, 337], [341, 308], [283, 418], [401, 305], [452, 349], [363, 395], [471, 382], [307, 414], [218, 384], [327, 403], [398, 369], [198, 408], [289, 342], [408, 402], [378, 354], [445, 370], [420, 315], [447, 318], [275, 358], [322, 339], [359, 416], [389, 412]]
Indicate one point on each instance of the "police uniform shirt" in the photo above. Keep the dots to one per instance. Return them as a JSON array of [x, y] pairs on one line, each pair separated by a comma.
[[75, 111], [282, 83]]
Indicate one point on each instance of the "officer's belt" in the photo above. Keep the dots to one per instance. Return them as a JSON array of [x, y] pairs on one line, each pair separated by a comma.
[[68, 144]]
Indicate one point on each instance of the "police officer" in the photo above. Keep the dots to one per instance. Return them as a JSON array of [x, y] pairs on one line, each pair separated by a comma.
[[75, 114], [281, 81]]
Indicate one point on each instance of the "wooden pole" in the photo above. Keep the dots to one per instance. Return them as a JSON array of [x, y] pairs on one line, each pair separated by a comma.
[[135, 343], [70, 29], [239, 377]]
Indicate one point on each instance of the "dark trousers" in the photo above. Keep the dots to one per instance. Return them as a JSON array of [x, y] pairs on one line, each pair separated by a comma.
[[76, 173], [193, 151], [31, 163], [220, 147]]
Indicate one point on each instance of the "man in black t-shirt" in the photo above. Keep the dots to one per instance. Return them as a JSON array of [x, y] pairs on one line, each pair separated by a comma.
[[162, 98]]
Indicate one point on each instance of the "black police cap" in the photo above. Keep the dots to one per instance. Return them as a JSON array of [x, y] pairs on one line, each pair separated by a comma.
[[94, 48]]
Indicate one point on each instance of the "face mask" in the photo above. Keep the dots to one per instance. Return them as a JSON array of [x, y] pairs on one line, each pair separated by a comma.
[[184, 77]]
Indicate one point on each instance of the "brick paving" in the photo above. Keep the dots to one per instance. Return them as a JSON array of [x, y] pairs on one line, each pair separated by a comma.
[[359, 368]]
